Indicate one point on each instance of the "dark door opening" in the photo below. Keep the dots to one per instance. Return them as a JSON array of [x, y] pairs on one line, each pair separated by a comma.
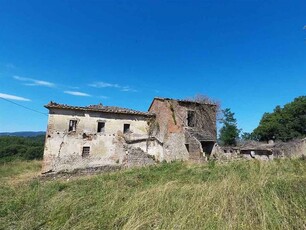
[[207, 146]]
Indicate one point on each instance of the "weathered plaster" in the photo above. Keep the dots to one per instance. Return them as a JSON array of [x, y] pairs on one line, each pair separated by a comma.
[[63, 149], [164, 136]]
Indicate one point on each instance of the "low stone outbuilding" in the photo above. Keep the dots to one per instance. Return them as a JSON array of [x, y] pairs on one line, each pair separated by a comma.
[[262, 150]]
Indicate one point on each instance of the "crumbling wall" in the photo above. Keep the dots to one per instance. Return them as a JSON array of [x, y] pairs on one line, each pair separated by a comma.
[[261, 151], [151, 146], [205, 119], [225, 153], [168, 131], [163, 137], [64, 151], [174, 148], [291, 149], [228, 153], [181, 141], [259, 154], [63, 148], [194, 148], [166, 121], [136, 157]]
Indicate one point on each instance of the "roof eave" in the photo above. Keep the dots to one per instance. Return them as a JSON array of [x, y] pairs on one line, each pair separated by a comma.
[[101, 111]]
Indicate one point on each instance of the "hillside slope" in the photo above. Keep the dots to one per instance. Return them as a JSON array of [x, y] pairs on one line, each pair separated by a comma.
[[23, 134], [236, 195]]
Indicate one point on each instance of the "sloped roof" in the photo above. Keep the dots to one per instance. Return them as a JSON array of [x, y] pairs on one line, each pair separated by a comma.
[[180, 100], [98, 108]]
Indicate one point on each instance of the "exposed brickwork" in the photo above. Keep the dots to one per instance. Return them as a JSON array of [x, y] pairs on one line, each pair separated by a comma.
[[165, 133], [172, 117]]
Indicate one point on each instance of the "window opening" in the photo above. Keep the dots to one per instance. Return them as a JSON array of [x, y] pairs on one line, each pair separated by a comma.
[[101, 127], [85, 152], [191, 118], [126, 128], [72, 125]]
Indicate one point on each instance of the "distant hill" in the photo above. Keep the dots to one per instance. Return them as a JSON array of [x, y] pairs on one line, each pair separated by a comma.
[[23, 134]]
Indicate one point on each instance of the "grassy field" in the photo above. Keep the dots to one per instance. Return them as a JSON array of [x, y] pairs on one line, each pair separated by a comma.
[[236, 195]]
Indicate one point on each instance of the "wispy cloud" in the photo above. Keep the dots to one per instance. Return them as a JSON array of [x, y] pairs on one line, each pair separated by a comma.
[[102, 84], [77, 93], [127, 89], [34, 82], [13, 97]]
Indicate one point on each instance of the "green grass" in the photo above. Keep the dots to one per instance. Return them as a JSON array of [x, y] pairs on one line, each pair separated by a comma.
[[236, 195], [9, 169]]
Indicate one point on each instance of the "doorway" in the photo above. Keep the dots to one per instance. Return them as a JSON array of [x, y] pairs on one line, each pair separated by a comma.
[[207, 146]]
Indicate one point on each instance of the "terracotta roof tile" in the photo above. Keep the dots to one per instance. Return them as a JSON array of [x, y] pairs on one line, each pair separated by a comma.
[[98, 108]]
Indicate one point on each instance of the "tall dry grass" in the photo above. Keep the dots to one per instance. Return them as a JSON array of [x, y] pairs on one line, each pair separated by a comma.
[[236, 195]]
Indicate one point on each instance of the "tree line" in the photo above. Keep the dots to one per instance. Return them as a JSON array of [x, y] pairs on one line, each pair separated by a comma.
[[25, 148], [283, 124]]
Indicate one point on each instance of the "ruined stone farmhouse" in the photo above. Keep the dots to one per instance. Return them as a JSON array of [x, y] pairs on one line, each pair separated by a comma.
[[96, 135]]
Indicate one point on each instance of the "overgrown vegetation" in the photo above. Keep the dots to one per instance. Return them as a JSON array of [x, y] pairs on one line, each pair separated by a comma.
[[26, 148], [202, 115], [204, 99], [237, 195]]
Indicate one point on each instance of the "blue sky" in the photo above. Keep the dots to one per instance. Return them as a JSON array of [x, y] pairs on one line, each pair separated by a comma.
[[249, 55]]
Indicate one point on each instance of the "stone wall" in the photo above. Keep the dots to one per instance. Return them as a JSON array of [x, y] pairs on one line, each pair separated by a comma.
[[194, 148], [173, 131], [171, 137], [174, 148], [136, 157], [63, 148], [262, 151], [291, 149]]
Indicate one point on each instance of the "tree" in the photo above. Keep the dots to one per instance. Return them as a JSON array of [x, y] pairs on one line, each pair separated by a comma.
[[285, 123], [229, 133], [246, 136]]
